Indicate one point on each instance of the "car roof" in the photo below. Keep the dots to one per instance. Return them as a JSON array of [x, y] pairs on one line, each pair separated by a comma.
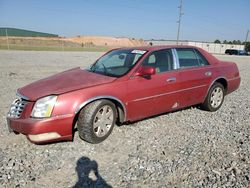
[[208, 56], [153, 48]]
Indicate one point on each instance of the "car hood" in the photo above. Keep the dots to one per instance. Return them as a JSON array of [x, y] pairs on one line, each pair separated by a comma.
[[63, 82]]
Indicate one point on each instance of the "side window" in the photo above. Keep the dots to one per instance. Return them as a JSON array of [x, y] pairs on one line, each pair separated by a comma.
[[151, 59], [187, 58], [202, 60], [162, 60], [136, 57]]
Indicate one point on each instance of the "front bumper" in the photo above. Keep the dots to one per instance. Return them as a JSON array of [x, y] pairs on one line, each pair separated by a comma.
[[45, 130]]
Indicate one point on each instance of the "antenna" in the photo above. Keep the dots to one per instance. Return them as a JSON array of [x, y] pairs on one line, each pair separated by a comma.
[[179, 21], [246, 38]]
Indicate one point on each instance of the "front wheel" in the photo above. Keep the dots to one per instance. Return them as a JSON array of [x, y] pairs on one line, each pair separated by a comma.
[[96, 121], [215, 97]]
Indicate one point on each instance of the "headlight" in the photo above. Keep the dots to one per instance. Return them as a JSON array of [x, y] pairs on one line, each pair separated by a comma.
[[44, 106]]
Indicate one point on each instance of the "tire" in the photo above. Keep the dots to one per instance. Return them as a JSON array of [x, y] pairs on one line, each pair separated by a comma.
[[96, 121], [214, 98]]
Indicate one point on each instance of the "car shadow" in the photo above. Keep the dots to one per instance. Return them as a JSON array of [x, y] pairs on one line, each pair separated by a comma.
[[88, 175]]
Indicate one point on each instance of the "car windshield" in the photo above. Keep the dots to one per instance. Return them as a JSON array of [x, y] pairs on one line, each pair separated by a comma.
[[117, 62]]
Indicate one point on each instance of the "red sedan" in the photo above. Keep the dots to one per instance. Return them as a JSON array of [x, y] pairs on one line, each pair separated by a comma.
[[124, 85]]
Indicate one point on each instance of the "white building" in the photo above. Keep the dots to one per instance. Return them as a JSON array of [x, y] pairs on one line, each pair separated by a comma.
[[208, 46]]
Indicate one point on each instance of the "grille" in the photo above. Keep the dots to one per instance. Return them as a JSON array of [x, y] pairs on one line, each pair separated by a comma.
[[17, 107]]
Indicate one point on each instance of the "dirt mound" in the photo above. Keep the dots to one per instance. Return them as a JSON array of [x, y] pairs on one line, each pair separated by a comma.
[[106, 41]]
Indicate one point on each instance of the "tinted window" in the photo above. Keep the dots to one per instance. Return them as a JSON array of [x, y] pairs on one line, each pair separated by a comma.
[[162, 60], [202, 60], [232, 52], [187, 58], [242, 52]]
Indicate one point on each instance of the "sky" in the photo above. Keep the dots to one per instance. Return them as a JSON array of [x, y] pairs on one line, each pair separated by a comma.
[[203, 20]]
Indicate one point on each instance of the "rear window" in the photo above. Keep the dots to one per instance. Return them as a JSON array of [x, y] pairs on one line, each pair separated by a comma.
[[202, 60]]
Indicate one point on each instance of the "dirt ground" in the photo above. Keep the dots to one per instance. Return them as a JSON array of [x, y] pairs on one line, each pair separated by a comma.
[[65, 42], [186, 148], [106, 41]]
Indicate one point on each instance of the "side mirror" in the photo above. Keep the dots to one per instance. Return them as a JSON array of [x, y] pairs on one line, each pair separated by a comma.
[[145, 71]]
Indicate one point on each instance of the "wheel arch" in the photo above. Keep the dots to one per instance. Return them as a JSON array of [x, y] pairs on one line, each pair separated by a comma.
[[221, 80], [121, 109]]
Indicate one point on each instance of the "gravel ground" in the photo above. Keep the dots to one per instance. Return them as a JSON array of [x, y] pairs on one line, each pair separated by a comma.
[[188, 148]]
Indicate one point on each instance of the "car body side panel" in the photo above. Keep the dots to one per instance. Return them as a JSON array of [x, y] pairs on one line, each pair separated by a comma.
[[72, 102], [233, 84], [229, 72], [194, 84], [232, 75], [151, 96]]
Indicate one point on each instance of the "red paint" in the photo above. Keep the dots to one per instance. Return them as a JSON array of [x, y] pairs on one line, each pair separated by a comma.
[[142, 96], [145, 71], [70, 80]]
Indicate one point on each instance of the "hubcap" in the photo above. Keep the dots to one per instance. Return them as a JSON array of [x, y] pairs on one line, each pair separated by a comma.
[[216, 97], [103, 121]]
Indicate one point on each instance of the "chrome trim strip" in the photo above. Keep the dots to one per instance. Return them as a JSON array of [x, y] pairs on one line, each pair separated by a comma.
[[58, 117], [154, 96], [16, 108], [103, 97], [176, 58], [196, 55], [21, 96], [231, 79]]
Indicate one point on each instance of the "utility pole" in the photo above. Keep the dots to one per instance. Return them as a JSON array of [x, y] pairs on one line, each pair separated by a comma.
[[246, 38], [62, 44], [7, 38], [179, 21]]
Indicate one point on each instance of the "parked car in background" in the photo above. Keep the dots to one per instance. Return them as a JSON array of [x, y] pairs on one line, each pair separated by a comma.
[[124, 85], [243, 52], [235, 52]]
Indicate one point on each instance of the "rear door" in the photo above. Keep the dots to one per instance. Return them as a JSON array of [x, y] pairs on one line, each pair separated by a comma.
[[157, 94], [195, 76]]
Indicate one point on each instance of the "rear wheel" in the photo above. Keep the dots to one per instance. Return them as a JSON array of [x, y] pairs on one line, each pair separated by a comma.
[[214, 98], [96, 121]]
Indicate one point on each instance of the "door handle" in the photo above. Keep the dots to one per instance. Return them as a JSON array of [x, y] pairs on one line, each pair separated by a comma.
[[172, 79], [208, 73]]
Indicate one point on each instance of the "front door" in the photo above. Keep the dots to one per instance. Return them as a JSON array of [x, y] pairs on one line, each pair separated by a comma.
[[157, 94]]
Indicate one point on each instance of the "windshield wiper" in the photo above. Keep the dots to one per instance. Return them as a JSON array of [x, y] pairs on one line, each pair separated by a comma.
[[93, 68]]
